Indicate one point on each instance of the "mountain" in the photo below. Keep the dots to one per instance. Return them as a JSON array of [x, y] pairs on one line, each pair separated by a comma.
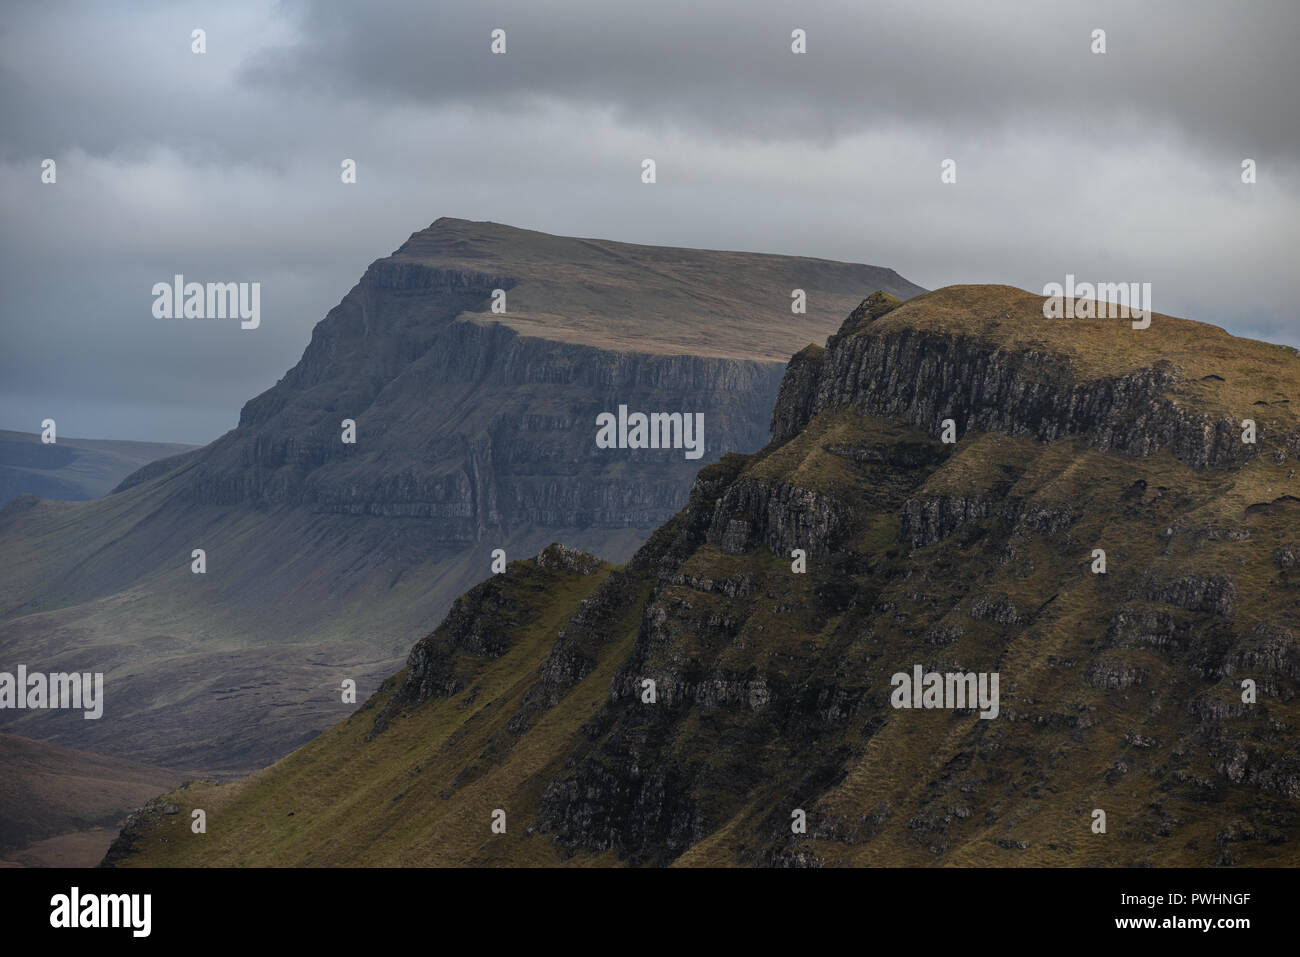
[[1121, 691], [475, 431], [61, 807], [72, 470]]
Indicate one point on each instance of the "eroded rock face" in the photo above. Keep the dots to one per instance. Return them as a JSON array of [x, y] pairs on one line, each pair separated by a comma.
[[474, 430], [1157, 656], [1215, 594], [1145, 628], [780, 517], [471, 423], [1114, 674], [475, 625], [798, 393], [924, 377], [1270, 647]]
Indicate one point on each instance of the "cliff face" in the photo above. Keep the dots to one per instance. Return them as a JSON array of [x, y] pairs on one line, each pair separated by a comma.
[[464, 418], [924, 375], [476, 426], [475, 430], [974, 558], [698, 704]]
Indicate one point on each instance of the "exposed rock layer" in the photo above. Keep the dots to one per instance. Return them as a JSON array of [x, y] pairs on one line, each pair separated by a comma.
[[475, 431]]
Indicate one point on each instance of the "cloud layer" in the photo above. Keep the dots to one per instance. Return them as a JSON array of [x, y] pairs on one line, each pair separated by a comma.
[[226, 166]]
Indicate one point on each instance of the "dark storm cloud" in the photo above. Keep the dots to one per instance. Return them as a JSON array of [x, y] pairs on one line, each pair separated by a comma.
[[225, 166], [1221, 76]]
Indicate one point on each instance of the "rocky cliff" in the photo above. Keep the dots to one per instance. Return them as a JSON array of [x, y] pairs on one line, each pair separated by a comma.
[[474, 431], [922, 373], [728, 696]]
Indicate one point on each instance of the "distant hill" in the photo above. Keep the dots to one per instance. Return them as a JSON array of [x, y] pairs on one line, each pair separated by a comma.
[[72, 470], [475, 431], [62, 807], [1161, 691]]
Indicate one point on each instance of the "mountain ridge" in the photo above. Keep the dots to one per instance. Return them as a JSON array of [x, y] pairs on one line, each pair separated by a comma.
[[1122, 690]]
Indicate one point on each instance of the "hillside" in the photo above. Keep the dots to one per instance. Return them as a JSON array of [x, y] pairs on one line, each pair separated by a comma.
[[474, 431], [72, 470], [62, 808], [1120, 691]]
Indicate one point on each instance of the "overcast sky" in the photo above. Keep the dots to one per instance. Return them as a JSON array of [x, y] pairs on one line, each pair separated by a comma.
[[225, 166]]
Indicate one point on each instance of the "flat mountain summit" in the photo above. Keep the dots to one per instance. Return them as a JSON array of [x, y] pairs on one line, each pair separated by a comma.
[[1099, 526], [659, 299], [474, 431]]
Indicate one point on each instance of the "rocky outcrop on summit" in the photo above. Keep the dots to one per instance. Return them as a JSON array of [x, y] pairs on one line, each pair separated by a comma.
[[960, 370], [563, 558]]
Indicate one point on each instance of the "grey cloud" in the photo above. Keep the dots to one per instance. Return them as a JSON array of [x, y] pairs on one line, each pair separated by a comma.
[[1223, 76], [226, 166]]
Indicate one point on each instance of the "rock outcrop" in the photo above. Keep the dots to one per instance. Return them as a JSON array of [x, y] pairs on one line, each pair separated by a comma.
[[925, 375]]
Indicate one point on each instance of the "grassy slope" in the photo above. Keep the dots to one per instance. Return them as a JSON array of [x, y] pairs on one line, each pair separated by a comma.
[[392, 800]]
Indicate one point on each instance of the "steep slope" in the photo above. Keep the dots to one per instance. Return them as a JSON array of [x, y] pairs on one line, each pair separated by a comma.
[[72, 470], [475, 431], [1119, 691]]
